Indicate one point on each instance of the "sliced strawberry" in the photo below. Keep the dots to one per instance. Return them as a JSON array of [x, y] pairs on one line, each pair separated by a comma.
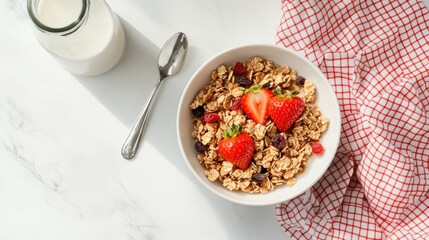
[[255, 103], [237, 147], [284, 110]]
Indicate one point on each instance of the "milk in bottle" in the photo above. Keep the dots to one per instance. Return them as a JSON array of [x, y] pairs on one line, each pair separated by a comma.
[[85, 36]]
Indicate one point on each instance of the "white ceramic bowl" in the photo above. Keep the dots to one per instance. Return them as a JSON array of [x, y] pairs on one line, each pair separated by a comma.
[[326, 99]]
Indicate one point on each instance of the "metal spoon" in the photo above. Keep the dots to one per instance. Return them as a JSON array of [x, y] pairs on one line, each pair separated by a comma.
[[170, 61]]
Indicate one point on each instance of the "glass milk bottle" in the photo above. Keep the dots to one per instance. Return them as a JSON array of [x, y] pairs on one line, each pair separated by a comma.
[[85, 36]]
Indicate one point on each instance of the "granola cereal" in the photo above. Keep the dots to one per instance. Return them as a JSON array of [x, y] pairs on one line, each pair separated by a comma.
[[270, 167]]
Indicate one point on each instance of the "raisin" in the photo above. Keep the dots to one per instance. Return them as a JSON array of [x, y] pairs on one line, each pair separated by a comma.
[[299, 80], [244, 81], [198, 112], [200, 147], [278, 141], [258, 177]]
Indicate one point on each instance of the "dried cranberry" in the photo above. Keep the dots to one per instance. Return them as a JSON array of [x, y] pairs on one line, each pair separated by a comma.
[[244, 81], [236, 104], [278, 141], [299, 80], [258, 177], [198, 112], [239, 69], [211, 118], [200, 147], [317, 148]]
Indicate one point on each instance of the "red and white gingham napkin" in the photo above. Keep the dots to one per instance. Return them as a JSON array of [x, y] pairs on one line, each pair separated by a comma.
[[375, 54]]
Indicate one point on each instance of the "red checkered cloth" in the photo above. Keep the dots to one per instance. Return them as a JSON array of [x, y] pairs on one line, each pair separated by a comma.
[[375, 54]]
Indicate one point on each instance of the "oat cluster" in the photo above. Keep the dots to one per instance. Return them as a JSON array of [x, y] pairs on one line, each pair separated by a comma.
[[277, 167]]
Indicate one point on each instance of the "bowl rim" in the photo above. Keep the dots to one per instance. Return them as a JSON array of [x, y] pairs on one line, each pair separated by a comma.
[[235, 48]]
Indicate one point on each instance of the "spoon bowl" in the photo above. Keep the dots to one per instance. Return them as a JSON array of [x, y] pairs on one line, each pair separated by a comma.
[[172, 56], [170, 62]]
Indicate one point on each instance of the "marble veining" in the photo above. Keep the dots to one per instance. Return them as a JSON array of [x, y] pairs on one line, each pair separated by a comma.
[[50, 173], [18, 7], [61, 172]]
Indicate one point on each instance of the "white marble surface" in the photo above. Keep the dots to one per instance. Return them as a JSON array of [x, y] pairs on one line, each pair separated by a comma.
[[61, 172]]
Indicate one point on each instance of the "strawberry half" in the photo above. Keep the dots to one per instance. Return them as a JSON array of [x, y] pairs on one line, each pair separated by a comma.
[[237, 147], [285, 109], [255, 103]]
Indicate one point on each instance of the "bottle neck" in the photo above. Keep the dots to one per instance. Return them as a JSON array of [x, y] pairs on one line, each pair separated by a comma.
[[33, 11]]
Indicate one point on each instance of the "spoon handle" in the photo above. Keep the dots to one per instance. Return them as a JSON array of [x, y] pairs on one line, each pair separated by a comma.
[[131, 144]]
